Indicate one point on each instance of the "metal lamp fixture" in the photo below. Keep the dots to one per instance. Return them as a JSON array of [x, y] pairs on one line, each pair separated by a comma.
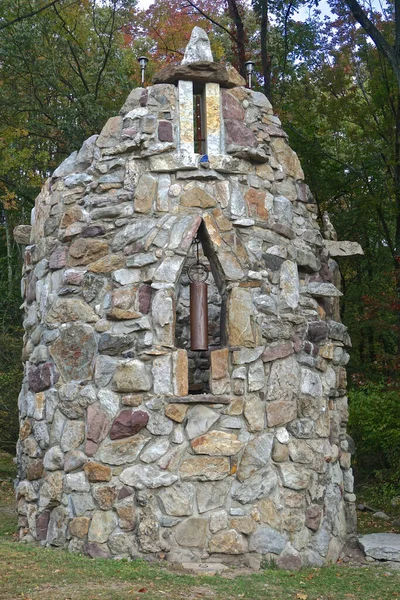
[[143, 60], [249, 71]]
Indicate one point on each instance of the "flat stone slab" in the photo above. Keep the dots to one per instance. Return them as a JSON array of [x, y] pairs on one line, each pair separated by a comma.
[[200, 399], [204, 568], [381, 546]]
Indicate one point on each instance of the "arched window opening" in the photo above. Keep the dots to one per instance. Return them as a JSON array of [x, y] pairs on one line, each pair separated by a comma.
[[199, 360]]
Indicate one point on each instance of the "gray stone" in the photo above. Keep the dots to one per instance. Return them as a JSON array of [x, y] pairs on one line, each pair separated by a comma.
[[142, 476], [192, 532], [105, 368], [81, 503], [120, 452], [155, 451], [212, 495], [198, 48], [218, 521], [57, 529], [283, 380], [257, 486], [74, 352], [343, 248], [310, 383], [256, 381], [73, 435], [132, 376], [266, 304], [121, 543], [131, 233], [266, 539], [256, 456], [74, 460], [102, 525], [289, 284], [294, 477], [200, 419], [322, 290], [159, 424], [76, 482], [381, 546], [75, 398], [178, 499], [53, 459]]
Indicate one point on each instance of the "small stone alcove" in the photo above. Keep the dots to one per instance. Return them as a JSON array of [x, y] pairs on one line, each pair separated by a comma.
[[199, 360]]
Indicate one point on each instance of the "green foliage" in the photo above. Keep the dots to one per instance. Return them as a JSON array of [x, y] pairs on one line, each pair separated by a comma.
[[374, 425], [10, 384]]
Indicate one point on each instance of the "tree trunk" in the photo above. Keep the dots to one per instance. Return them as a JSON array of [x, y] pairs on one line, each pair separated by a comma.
[[9, 251], [236, 17], [265, 55]]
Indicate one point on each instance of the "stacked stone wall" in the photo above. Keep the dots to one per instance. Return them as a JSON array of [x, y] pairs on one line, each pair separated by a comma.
[[115, 457]]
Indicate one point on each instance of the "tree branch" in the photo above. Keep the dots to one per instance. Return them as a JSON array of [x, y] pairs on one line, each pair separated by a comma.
[[28, 15], [213, 21]]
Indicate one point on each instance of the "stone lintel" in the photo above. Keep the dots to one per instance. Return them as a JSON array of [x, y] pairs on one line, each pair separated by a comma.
[[200, 72], [200, 399]]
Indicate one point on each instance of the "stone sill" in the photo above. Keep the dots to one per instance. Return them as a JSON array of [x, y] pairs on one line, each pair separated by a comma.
[[200, 399]]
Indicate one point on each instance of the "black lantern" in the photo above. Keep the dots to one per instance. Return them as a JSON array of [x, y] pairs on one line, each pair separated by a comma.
[[249, 71], [143, 60]]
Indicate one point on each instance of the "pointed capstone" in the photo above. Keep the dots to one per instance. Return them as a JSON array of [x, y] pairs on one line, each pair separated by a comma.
[[198, 48]]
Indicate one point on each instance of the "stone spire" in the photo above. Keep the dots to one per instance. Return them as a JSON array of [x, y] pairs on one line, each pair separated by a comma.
[[198, 48]]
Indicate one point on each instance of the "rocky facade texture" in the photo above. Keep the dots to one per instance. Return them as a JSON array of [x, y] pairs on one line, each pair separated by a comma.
[[115, 457]]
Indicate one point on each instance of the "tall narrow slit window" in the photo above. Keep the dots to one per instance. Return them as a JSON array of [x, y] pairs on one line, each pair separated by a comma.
[[199, 120]]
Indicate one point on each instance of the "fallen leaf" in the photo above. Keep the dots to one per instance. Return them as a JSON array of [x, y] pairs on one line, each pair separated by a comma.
[[300, 596], [142, 590]]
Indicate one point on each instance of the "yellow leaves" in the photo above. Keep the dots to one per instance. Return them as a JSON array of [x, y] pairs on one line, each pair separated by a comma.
[[301, 596]]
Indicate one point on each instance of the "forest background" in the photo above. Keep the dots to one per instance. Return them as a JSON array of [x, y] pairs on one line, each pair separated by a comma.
[[66, 66]]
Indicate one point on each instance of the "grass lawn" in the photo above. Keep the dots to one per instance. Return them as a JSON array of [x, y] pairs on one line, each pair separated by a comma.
[[32, 572]]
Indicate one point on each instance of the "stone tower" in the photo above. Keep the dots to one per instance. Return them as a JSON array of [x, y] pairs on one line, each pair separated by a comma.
[[131, 443]]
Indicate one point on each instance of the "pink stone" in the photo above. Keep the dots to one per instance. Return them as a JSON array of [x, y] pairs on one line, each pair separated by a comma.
[[274, 352], [42, 523], [144, 298], [97, 423], [231, 108], [91, 448], [58, 258], [238, 133], [165, 133], [128, 422], [41, 377], [313, 518]]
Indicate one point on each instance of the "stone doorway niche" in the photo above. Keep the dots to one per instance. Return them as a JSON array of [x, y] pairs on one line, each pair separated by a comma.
[[199, 361]]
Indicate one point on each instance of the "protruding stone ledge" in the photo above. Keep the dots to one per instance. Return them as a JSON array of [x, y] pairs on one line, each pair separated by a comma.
[[343, 248], [201, 72], [200, 399], [22, 234]]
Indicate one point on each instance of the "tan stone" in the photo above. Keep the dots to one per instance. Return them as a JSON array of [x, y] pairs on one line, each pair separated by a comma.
[[40, 402], [66, 310], [192, 532], [294, 499], [97, 472], [265, 172], [79, 527], [110, 134], [132, 400], [86, 250], [240, 311], [71, 215], [220, 363], [256, 204], [245, 525], [228, 542], [105, 496], [222, 222], [176, 412], [119, 314], [236, 406], [254, 413], [145, 193], [212, 230], [280, 452], [280, 412], [107, 264], [197, 197], [25, 430], [269, 513], [127, 514], [287, 158], [180, 373], [204, 468], [217, 443], [327, 351]]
